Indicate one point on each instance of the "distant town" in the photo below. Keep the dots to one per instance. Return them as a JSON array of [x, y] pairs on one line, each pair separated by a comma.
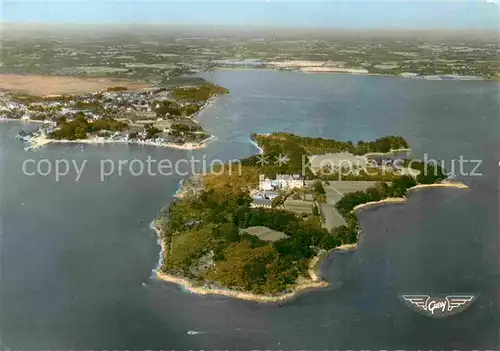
[[157, 116], [153, 54]]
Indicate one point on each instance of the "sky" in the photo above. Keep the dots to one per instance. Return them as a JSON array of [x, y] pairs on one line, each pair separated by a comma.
[[465, 14]]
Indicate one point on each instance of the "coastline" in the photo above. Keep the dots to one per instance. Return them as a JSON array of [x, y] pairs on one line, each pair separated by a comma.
[[4, 119], [186, 187], [302, 285], [389, 200], [179, 194], [314, 282], [211, 101], [191, 287], [254, 143], [267, 68], [40, 141], [456, 185]]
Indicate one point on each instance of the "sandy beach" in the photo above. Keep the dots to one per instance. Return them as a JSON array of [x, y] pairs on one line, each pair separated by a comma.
[[456, 185], [389, 200]]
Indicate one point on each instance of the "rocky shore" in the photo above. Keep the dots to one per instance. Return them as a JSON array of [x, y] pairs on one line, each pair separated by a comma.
[[303, 284]]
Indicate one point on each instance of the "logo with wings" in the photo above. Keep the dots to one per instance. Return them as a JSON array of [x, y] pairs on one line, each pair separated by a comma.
[[438, 306]]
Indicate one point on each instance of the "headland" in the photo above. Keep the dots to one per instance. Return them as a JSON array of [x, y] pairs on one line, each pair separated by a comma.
[[392, 200], [262, 239], [131, 112]]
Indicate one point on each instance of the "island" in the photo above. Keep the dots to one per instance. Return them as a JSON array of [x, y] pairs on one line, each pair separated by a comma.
[[260, 234], [122, 113]]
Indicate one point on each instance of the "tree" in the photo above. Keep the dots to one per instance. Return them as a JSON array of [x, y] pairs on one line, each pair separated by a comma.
[[373, 194], [318, 187], [329, 242], [151, 130]]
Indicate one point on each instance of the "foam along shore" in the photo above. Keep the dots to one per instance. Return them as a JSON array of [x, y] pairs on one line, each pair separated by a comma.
[[6, 119], [261, 150], [314, 282], [41, 140], [456, 185]]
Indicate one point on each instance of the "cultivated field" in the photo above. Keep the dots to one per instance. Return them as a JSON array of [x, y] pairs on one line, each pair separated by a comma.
[[60, 85], [264, 233], [298, 206], [345, 186]]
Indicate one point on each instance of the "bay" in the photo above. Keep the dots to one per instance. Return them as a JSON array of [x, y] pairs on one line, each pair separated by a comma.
[[77, 256]]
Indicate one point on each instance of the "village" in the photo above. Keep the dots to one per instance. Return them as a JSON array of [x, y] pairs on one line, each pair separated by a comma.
[[155, 116]]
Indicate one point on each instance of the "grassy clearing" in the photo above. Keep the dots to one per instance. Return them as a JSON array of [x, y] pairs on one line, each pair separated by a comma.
[[265, 234]]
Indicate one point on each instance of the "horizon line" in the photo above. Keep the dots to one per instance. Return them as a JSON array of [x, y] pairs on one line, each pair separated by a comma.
[[246, 25]]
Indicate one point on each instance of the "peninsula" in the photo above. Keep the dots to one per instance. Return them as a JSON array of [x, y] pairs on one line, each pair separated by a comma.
[[261, 234], [127, 113]]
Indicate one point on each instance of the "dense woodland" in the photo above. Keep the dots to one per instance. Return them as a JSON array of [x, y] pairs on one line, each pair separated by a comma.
[[198, 93], [80, 127], [298, 148], [317, 146], [211, 223], [172, 109], [207, 228]]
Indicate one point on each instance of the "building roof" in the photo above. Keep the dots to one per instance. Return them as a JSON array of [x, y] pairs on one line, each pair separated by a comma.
[[270, 193], [262, 202], [288, 177]]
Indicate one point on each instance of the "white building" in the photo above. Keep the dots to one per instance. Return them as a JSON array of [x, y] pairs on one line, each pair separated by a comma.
[[282, 181], [290, 181], [265, 183]]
